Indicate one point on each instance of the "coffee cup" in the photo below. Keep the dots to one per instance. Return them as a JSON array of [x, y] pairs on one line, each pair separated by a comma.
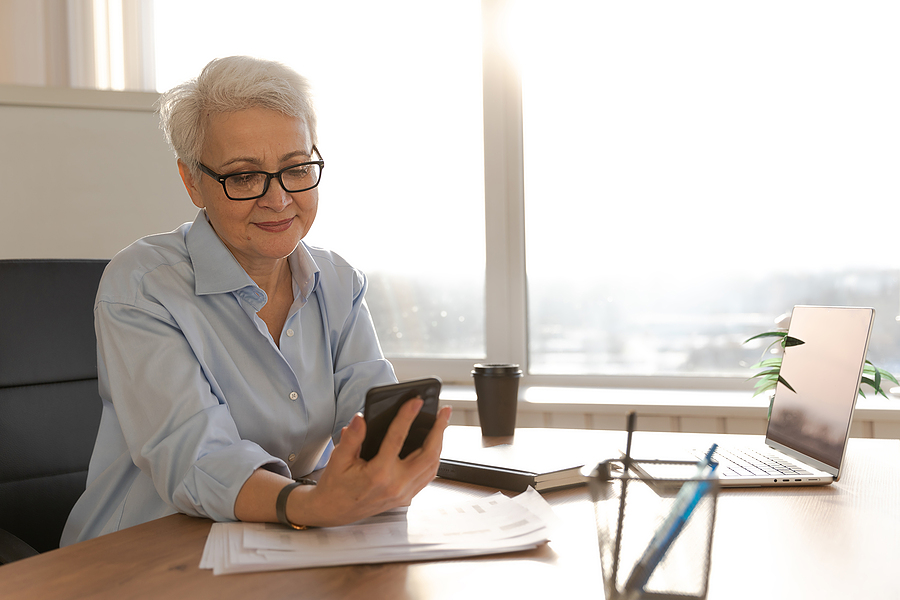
[[497, 393]]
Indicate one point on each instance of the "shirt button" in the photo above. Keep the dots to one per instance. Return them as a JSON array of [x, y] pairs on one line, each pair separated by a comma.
[[294, 395], [290, 333], [292, 458]]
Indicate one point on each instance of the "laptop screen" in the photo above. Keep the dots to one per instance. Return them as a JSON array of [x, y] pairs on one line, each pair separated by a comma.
[[812, 413]]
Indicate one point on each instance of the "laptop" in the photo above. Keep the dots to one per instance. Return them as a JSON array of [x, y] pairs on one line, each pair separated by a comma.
[[809, 427]]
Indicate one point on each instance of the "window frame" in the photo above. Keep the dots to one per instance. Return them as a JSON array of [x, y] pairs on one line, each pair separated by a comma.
[[506, 293]]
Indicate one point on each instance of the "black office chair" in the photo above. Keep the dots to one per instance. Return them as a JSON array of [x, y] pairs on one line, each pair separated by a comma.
[[49, 403]]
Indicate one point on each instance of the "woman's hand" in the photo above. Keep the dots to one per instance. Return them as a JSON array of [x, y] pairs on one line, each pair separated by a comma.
[[351, 488]]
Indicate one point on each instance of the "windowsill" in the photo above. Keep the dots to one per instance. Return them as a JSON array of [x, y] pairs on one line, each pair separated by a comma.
[[610, 401]]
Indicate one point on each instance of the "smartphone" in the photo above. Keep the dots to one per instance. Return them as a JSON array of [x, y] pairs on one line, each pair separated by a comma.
[[382, 404]]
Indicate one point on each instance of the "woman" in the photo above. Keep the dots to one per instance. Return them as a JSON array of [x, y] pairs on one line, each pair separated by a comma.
[[231, 355]]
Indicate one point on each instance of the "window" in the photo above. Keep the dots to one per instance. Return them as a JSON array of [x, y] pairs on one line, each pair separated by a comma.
[[101, 44], [695, 169], [398, 93], [599, 191]]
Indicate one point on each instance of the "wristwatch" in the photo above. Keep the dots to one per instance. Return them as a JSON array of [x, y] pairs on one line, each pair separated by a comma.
[[281, 502]]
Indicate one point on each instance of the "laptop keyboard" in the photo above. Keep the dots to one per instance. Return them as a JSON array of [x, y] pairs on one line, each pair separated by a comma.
[[735, 462]]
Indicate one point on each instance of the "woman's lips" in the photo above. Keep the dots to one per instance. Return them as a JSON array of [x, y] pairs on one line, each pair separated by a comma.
[[275, 226]]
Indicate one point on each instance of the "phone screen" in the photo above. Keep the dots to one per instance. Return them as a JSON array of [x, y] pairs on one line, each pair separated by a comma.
[[383, 403]]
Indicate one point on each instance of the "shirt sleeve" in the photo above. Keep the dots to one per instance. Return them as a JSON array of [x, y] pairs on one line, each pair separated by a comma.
[[177, 430]]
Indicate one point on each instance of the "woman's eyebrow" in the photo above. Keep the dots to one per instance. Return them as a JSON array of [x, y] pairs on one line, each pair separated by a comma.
[[258, 163], [241, 159], [295, 154]]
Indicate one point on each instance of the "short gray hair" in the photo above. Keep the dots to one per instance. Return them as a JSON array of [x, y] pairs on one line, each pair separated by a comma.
[[228, 85]]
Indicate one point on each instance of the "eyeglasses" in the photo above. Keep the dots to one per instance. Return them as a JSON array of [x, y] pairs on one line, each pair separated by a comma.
[[250, 185]]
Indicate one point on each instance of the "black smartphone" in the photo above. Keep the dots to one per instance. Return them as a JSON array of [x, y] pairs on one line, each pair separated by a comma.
[[382, 404]]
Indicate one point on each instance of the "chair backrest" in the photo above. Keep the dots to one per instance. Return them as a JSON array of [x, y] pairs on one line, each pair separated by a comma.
[[49, 403]]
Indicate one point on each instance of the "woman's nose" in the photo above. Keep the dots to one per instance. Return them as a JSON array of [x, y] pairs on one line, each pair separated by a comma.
[[275, 197]]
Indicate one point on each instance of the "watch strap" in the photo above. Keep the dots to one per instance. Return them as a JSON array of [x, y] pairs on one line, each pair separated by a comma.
[[281, 502]]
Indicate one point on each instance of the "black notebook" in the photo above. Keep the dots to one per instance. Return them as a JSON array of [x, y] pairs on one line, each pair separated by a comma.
[[512, 467]]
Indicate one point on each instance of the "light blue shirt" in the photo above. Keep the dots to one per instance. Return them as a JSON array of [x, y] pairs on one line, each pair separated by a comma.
[[197, 395]]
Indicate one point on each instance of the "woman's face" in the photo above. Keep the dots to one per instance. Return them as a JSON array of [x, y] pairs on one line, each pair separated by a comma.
[[258, 232]]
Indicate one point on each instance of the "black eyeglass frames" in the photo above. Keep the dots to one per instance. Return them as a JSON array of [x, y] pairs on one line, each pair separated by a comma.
[[250, 185]]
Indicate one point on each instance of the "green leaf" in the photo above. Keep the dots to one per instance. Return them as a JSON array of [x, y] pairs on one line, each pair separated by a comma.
[[872, 383], [769, 362], [765, 384], [764, 388], [792, 341], [780, 334], [771, 377], [766, 373], [889, 376], [786, 384], [878, 374]]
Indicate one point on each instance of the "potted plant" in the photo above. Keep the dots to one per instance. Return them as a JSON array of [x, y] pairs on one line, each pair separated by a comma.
[[770, 374]]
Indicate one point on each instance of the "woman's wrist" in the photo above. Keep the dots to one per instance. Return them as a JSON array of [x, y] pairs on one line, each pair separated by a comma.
[[284, 512]]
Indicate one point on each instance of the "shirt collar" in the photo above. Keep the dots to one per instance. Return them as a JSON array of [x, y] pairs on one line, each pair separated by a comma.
[[217, 271], [304, 270]]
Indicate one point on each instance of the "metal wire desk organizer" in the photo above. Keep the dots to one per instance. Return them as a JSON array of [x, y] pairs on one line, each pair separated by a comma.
[[655, 534]]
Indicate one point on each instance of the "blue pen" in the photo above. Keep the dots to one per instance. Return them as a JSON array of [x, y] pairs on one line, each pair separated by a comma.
[[685, 502]]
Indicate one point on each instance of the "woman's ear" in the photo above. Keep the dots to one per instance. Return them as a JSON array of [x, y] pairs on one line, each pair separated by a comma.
[[192, 186]]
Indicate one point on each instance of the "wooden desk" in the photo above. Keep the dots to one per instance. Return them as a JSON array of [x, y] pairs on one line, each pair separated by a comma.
[[838, 541]]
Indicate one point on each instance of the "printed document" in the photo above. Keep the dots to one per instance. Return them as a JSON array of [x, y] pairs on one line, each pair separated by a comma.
[[474, 527]]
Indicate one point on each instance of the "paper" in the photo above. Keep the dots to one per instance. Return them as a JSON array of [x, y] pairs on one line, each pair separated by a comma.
[[475, 527]]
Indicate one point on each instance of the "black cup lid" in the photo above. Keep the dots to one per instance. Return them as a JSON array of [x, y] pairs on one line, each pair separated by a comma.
[[497, 369]]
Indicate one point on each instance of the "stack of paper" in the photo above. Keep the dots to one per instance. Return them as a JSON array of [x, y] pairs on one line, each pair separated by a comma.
[[477, 526]]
